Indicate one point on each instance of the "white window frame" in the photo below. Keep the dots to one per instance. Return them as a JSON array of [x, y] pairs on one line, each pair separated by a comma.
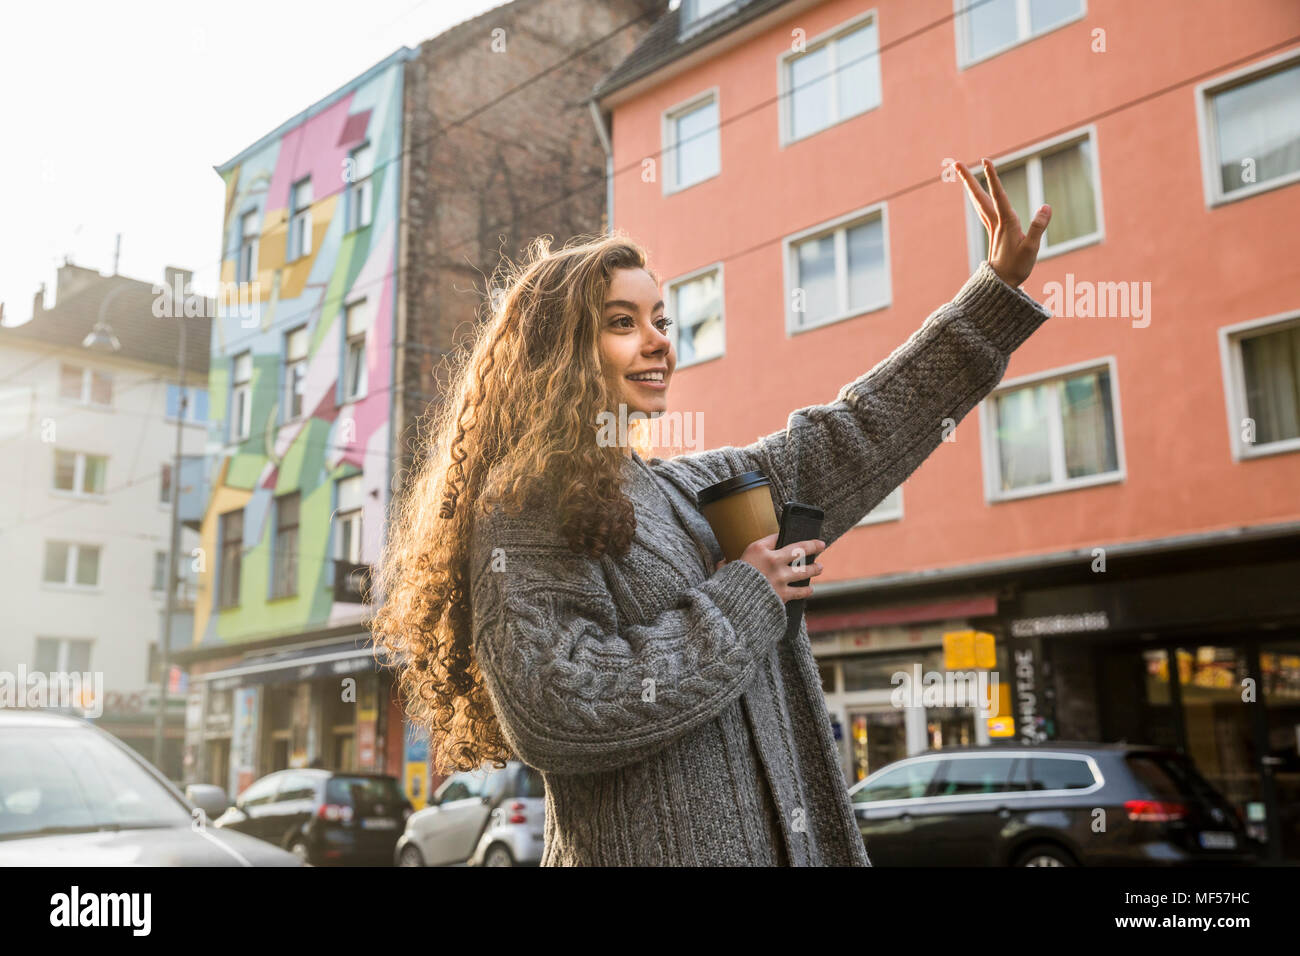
[[241, 428], [668, 124], [290, 364], [1032, 155], [872, 517], [69, 582], [989, 441], [64, 646], [191, 406], [285, 567], [230, 578], [839, 226], [360, 192], [299, 246], [87, 386], [251, 242], [1206, 129], [78, 476], [353, 517], [1024, 35], [785, 99], [159, 565], [363, 384], [690, 20], [675, 330], [1234, 383]]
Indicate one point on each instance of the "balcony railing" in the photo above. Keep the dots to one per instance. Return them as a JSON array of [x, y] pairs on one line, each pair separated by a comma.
[[349, 582]]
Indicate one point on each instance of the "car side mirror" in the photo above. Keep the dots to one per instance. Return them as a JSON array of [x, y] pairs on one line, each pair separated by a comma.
[[209, 798]]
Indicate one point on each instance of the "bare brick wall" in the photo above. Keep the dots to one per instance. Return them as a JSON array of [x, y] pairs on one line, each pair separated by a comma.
[[494, 159]]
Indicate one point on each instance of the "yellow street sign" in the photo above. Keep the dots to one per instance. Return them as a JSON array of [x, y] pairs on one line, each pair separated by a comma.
[[958, 650]]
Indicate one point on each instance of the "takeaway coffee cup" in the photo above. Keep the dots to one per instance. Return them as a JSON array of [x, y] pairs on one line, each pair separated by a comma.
[[740, 511]]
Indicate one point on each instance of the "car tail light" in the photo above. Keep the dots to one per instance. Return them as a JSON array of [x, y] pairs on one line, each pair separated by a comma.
[[1154, 811], [516, 812], [335, 812]]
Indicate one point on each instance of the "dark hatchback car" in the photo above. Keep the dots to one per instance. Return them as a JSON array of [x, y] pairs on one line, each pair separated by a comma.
[[324, 817], [1057, 804]]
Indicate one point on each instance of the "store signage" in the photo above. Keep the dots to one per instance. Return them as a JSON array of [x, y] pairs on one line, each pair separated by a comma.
[[1002, 727], [1027, 696], [243, 756], [963, 650], [1060, 624]]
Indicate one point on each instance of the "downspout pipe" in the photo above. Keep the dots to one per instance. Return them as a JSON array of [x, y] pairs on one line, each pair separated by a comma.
[[603, 133]]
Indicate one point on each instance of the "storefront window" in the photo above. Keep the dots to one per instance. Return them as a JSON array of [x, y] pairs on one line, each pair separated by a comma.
[[1133, 690], [876, 672], [949, 727], [340, 728], [877, 738], [1220, 738], [1280, 666]]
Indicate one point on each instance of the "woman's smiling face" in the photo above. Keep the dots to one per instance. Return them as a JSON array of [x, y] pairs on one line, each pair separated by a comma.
[[634, 341]]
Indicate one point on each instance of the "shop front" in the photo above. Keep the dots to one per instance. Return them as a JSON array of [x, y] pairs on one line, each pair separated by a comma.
[[314, 706], [868, 658], [1204, 661]]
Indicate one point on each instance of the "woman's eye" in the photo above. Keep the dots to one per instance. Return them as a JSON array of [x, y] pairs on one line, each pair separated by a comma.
[[662, 322]]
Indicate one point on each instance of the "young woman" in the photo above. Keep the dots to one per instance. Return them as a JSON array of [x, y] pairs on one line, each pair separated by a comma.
[[552, 596]]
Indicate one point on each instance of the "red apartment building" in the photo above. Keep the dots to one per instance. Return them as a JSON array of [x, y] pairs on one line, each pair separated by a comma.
[[1123, 512]]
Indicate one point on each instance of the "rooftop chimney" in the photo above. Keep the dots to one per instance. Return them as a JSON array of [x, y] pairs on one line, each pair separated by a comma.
[[38, 301], [170, 274], [72, 279]]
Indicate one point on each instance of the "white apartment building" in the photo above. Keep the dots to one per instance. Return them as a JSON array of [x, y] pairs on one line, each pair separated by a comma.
[[87, 438]]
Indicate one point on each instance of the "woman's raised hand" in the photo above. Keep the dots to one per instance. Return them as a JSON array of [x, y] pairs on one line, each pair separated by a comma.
[[1012, 253], [774, 563]]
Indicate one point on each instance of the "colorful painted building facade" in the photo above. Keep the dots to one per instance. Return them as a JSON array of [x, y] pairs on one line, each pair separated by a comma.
[[299, 443]]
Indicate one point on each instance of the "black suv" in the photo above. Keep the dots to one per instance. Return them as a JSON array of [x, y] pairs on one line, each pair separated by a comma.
[[1053, 804], [323, 816]]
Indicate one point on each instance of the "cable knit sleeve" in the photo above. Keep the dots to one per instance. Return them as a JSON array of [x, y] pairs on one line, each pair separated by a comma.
[[573, 689], [846, 457]]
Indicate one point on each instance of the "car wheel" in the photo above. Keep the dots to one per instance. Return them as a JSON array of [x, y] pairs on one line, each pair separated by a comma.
[[410, 856], [1045, 855], [299, 849], [498, 855]]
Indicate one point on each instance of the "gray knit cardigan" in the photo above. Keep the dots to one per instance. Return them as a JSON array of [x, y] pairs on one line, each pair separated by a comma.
[[671, 723]]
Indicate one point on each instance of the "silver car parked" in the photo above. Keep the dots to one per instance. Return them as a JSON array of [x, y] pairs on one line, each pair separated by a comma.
[[73, 795], [485, 817]]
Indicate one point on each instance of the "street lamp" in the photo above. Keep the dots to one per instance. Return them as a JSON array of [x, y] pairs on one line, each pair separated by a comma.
[[101, 338]]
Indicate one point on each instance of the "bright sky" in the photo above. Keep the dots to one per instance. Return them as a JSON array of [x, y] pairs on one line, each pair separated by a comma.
[[115, 113]]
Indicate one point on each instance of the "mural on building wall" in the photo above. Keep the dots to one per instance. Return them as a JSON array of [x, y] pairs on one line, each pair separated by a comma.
[[321, 197]]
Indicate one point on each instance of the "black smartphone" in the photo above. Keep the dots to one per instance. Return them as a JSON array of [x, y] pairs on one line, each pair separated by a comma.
[[799, 522]]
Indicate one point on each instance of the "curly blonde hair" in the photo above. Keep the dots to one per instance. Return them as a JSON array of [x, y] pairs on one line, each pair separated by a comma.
[[519, 420]]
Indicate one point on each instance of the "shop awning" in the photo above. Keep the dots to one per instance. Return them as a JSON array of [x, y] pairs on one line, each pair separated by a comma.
[[310, 663]]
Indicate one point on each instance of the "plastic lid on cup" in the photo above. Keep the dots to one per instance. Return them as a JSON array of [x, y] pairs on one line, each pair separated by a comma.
[[733, 485]]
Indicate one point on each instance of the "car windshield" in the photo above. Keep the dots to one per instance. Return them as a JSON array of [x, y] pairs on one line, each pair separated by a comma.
[[363, 792], [72, 779]]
